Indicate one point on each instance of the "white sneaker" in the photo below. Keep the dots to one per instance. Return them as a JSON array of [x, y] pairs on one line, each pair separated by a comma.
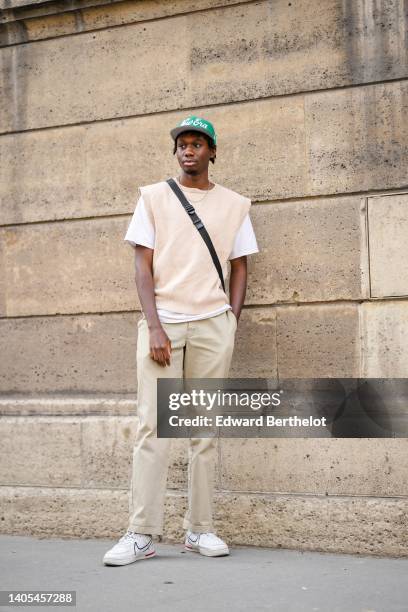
[[207, 544], [131, 547]]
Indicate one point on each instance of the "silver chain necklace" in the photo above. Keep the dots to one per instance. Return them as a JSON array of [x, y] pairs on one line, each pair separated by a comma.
[[188, 194]]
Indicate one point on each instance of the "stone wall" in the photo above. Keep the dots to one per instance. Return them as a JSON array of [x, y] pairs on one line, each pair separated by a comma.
[[310, 101]]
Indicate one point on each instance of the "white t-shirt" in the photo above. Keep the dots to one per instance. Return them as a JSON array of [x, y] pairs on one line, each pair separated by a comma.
[[141, 231]]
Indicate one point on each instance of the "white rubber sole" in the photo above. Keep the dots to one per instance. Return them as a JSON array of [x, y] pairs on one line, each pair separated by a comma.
[[209, 553], [127, 560]]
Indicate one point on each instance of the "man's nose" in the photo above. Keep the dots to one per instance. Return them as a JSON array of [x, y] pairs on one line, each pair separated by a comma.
[[189, 150]]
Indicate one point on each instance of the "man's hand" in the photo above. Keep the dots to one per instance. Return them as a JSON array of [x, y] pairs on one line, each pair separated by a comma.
[[160, 346]]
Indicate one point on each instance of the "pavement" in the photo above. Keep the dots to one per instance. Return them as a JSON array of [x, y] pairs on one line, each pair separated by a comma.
[[257, 578]]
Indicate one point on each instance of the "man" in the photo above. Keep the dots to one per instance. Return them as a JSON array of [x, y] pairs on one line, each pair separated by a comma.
[[187, 329]]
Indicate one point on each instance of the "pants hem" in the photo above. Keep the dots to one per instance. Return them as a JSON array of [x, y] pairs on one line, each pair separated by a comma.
[[146, 529], [196, 528]]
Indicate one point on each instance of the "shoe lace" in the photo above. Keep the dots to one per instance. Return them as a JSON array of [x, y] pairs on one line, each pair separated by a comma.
[[131, 535]]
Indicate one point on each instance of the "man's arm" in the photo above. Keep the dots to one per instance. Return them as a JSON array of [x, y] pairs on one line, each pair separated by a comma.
[[237, 284], [160, 345]]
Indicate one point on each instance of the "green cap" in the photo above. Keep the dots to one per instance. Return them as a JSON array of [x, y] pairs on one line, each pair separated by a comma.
[[194, 124]]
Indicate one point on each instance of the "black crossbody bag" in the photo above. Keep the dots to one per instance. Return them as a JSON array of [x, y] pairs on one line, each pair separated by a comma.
[[190, 210]]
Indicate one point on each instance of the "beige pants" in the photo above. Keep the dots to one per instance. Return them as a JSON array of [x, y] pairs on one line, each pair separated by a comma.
[[200, 349]]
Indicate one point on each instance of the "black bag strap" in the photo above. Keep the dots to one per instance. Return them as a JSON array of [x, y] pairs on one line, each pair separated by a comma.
[[199, 225]]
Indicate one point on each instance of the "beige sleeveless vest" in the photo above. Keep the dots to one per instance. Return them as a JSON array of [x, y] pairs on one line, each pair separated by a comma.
[[185, 278]]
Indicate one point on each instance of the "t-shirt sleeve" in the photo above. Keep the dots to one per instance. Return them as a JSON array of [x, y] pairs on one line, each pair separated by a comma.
[[140, 230], [245, 240]]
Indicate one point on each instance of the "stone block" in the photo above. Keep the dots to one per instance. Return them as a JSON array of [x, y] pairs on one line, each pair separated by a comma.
[[358, 525], [69, 354], [388, 230], [385, 339], [351, 525], [92, 451], [357, 138], [78, 513], [336, 466], [74, 513], [248, 51], [40, 451], [83, 15], [255, 345], [69, 267], [314, 250], [318, 341]]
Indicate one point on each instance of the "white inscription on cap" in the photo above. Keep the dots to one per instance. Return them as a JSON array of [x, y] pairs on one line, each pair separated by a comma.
[[195, 122]]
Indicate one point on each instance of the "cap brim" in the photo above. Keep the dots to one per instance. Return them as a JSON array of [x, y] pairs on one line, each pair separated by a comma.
[[188, 128]]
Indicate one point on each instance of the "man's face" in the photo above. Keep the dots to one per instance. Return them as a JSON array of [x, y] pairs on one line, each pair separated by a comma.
[[193, 152]]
